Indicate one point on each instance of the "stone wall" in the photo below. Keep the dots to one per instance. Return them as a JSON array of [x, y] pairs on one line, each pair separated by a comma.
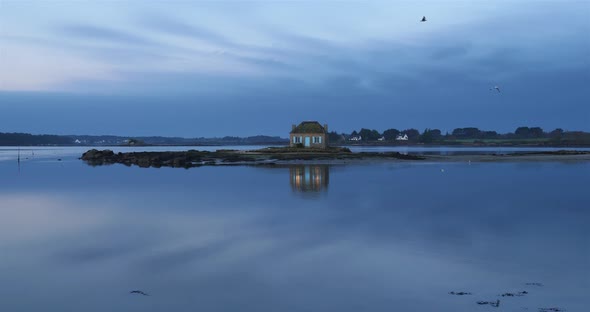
[[324, 139]]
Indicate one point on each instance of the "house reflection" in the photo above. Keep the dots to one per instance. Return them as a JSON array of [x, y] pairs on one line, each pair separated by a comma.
[[309, 178]]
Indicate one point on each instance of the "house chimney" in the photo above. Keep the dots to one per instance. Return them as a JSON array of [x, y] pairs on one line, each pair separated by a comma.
[[326, 128], [293, 127]]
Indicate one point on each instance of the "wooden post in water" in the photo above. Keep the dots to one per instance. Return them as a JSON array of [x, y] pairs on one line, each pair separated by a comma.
[[18, 159]]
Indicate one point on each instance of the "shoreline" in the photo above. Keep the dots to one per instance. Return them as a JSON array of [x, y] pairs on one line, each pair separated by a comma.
[[345, 145], [290, 156]]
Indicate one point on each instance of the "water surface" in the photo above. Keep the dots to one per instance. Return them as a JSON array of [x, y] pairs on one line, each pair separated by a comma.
[[380, 237]]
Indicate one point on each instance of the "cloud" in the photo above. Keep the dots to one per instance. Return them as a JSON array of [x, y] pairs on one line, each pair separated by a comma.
[[175, 27], [103, 34], [375, 56]]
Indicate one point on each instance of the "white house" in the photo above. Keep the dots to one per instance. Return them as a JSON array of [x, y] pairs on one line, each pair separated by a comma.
[[356, 138], [381, 139], [402, 137]]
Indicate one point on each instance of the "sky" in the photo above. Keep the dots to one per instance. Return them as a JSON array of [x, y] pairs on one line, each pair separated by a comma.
[[241, 68]]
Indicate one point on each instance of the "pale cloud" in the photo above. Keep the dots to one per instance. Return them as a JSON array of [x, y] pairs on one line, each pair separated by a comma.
[[35, 68]]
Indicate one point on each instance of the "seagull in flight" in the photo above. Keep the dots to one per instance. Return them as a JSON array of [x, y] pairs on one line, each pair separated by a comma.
[[423, 19], [496, 88], [139, 292]]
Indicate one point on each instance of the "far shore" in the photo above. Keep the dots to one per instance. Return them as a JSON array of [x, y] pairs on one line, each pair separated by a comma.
[[285, 156], [367, 144]]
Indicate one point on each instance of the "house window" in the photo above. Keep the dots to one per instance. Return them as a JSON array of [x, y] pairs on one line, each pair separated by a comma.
[[317, 140], [297, 139]]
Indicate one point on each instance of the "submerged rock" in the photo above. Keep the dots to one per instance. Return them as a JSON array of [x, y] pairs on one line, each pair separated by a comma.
[[494, 304], [459, 293], [517, 294]]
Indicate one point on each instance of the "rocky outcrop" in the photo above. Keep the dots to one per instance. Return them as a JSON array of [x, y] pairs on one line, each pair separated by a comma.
[[96, 155], [194, 158], [188, 159], [287, 155]]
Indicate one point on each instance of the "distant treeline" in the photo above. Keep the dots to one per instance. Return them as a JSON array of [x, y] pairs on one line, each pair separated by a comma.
[[470, 135], [459, 136], [26, 139]]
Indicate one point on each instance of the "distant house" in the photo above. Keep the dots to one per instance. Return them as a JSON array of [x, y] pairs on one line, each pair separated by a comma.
[[381, 139], [356, 138], [309, 134], [401, 137]]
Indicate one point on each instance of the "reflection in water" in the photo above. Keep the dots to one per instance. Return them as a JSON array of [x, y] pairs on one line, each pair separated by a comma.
[[204, 240], [312, 178]]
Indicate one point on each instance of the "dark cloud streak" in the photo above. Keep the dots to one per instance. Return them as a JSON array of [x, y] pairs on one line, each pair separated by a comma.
[[90, 32]]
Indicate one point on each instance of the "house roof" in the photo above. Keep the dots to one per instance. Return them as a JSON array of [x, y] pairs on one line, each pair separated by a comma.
[[309, 127]]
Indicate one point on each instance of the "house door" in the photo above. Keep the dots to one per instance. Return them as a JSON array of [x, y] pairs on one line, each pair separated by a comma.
[[307, 141]]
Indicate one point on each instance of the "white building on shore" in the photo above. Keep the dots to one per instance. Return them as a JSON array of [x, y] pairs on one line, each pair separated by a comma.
[[401, 137]]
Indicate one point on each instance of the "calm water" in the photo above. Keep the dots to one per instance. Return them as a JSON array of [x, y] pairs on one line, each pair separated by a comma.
[[393, 237], [9, 153]]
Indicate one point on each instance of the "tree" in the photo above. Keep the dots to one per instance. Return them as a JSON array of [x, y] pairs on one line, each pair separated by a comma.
[[522, 132], [334, 137], [430, 135], [390, 134], [556, 134], [489, 135], [135, 142], [436, 133], [536, 132], [466, 133], [413, 134], [369, 135]]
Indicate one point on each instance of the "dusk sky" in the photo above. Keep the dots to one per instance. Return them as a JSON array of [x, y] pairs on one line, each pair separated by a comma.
[[192, 69]]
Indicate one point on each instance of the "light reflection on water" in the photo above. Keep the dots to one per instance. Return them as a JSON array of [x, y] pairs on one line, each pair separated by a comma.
[[309, 178], [383, 238]]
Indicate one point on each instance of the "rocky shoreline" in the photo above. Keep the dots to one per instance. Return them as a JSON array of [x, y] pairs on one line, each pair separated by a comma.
[[285, 155]]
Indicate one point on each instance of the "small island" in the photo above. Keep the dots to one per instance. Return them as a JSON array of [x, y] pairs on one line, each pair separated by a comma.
[[265, 156], [288, 155]]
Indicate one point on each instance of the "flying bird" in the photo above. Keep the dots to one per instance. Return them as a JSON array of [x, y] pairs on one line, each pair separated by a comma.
[[423, 19], [139, 292], [495, 88]]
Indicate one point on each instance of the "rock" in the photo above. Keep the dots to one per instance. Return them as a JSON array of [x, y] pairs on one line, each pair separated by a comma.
[[518, 294], [460, 293], [95, 154], [89, 155], [494, 304], [194, 158]]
